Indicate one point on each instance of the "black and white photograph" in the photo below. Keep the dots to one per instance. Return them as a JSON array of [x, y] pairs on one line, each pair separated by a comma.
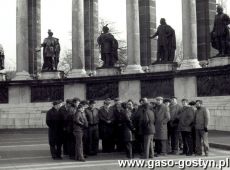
[[114, 84]]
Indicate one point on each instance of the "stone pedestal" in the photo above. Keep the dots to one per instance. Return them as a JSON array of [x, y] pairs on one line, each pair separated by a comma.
[[219, 61], [77, 73], [189, 64], [161, 67], [50, 75], [2, 77], [108, 71]]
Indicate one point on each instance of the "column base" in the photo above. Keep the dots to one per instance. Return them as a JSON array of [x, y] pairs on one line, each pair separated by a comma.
[[161, 67], [75, 73], [45, 75], [108, 71], [132, 69], [22, 76], [2, 76], [189, 64], [219, 61]]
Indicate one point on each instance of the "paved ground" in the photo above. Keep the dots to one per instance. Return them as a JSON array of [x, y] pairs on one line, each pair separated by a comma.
[[24, 150]]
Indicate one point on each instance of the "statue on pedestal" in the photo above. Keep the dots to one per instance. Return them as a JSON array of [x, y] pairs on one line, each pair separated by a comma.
[[51, 52], [166, 43], [108, 47], [2, 57], [220, 36]]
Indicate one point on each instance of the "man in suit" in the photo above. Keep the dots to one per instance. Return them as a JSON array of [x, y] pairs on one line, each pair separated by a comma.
[[54, 122]]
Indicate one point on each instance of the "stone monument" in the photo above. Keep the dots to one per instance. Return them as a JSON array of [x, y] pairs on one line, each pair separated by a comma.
[[220, 39], [51, 53], [2, 57], [109, 55], [166, 46]]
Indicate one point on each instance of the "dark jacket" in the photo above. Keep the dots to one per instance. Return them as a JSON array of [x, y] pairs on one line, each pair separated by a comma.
[[128, 127], [92, 116], [174, 111], [147, 121], [55, 124], [64, 113], [186, 119]]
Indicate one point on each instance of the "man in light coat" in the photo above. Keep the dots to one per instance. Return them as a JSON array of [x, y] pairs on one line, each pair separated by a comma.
[[201, 128], [162, 117]]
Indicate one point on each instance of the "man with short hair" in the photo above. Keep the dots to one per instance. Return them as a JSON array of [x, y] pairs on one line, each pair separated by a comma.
[[54, 122], [173, 134], [201, 127], [106, 123], [64, 111], [186, 121], [93, 133], [162, 117]]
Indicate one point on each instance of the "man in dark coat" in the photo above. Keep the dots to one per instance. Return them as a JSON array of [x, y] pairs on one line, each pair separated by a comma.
[[106, 123], [166, 44], [109, 46], [173, 134], [186, 121], [118, 113], [93, 133], [64, 111], [162, 117], [54, 122], [147, 128], [220, 34]]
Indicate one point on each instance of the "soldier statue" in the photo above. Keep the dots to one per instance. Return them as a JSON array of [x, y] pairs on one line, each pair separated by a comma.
[[51, 52], [2, 57], [166, 43], [220, 36], [108, 47]]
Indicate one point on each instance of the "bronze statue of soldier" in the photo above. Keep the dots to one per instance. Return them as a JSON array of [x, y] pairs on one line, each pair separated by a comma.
[[166, 43], [2, 57], [51, 52], [108, 47], [220, 37]]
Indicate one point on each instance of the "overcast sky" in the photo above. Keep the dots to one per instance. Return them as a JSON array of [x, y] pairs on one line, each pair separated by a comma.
[[56, 15]]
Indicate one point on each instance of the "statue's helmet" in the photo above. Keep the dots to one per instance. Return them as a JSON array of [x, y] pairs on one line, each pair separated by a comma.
[[105, 28], [162, 21], [219, 8], [50, 32]]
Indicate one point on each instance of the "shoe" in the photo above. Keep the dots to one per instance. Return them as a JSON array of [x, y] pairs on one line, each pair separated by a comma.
[[82, 160], [198, 154], [189, 154], [163, 154], [173, 153], [156, 155], [206, 154], [182, 153]]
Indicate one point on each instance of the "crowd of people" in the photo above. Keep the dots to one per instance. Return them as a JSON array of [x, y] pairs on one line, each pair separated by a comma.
[[149, 129]]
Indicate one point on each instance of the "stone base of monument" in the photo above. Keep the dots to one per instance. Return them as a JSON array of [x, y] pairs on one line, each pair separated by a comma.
[[44, 75], [189, 64], [108, 71], [158, 67], [219, 61], [2, 77]]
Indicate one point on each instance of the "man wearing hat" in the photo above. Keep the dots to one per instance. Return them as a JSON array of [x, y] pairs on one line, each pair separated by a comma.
[[54, 122], [109, 46], [162, 117], [106, 123], [93, 134]]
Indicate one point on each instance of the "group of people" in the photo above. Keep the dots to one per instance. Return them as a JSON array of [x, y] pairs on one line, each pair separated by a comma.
[[150, 128]]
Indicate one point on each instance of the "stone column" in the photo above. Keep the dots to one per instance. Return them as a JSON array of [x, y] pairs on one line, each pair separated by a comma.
[[91, 34], [34, 26], [22, 51], [147, 13], [189, 38], [206, 10], [133, 37], [78, 48]]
